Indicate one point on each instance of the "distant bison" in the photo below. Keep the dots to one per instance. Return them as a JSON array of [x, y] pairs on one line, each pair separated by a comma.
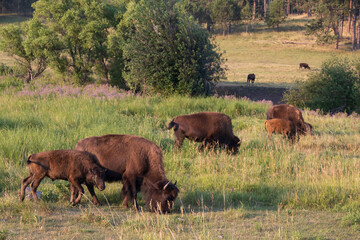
[[251, 77], [282, 126], [75, 166], [211, 128], [290, 112], [137, 162], [304, 65]]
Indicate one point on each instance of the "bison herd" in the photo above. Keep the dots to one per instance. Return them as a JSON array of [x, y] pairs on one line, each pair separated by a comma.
[[138, 162]]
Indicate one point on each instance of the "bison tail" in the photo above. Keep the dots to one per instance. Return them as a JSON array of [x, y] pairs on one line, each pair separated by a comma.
[[28, 160], [174, 125]]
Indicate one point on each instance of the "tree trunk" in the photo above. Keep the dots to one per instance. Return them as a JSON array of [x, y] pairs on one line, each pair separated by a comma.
[[350, 16], [254, 11], [354, 27], [288, 8], [342, 24], [229, 28], [265, 8], [358, 38], [29, 78]]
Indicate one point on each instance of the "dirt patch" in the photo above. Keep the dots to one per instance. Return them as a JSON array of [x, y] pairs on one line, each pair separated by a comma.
[[254, 93]]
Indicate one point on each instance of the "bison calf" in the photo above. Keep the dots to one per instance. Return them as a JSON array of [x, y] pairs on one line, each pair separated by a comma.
[[290, 112], [285, 127], [211, 128], [251, 77], [75, 166], [304, 65]]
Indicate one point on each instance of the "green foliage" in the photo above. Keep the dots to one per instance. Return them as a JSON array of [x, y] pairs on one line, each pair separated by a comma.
[[224, 11], [167, 52], [276, 14], [335, 88], [82, 29]]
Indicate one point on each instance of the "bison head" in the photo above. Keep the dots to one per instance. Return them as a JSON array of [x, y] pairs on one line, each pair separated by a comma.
[[234, 145], [161, 196], [97, 175]]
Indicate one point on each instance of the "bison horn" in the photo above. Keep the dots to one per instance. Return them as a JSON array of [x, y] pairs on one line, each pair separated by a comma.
[[166, 185], [175, 183]]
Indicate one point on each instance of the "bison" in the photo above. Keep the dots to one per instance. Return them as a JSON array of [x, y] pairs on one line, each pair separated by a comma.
[[290, 112], [304, 65], [75, 166], [282, 126], [137, 162], [210, 128], [251, 77]]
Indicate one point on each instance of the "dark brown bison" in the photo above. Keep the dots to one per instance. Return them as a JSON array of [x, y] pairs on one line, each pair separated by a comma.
[[290, 112], [282, 126], [210, 128], [75, 166], [251, 77], [304, 65], [137, 162]]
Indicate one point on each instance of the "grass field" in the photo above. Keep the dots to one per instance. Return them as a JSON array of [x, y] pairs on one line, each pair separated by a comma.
[[271, 189]]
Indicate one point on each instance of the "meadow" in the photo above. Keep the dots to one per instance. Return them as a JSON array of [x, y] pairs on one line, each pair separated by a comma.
[[271, 189]]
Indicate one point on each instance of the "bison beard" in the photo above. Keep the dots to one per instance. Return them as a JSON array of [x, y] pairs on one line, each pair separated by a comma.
[[137, 162]]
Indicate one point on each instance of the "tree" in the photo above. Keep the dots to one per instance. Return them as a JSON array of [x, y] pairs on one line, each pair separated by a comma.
[[223, 12], [82, 27], [31, 45], [276, 14], [247, 14], [201, 11], [335, 88], [166, 51]]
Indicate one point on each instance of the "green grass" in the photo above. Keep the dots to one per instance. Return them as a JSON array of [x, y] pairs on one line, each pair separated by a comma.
[[319, 173], [269, 190]]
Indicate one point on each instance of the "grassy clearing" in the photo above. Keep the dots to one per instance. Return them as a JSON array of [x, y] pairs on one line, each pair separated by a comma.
[[249, 194], [273, 56]]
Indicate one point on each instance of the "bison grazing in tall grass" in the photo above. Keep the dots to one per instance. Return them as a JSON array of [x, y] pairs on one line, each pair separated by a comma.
[[137, 162], [282, 126], [290, 112], [75, 166], [210, 128]]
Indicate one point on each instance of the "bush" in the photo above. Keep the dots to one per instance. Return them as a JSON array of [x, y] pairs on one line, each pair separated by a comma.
[[167, 52], [335, 89]]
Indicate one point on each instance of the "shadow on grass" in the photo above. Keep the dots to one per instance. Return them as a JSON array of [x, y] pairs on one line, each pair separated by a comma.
[[6, 123]]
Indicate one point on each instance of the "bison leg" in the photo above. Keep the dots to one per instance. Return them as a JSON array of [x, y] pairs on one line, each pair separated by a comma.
[[92, 192], [77, 188], [180, 136], [34, 185], [24, 184], [130, 188]]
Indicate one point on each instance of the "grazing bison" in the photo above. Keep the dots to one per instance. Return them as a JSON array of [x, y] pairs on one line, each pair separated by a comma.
[[137, 162], [290, 112], [75, 166], [211, 128], [251, 77], [304, 65], [282, 126]]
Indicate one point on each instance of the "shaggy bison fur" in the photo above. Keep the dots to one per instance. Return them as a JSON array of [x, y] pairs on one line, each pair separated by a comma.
[[282, 126], [75, 166], [290, 112], [251, 77], [304, 65], [210, 128], [137, 162]]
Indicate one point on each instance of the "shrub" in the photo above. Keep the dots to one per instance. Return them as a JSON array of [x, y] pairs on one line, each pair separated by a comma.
[[336, 88]]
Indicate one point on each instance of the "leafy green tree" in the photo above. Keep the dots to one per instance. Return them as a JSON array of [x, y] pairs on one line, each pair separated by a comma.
[[82, 27], [31, 45], [166, 51], [335, 88], [224, 12], [247, 15], [276, 14], [201, 10]]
